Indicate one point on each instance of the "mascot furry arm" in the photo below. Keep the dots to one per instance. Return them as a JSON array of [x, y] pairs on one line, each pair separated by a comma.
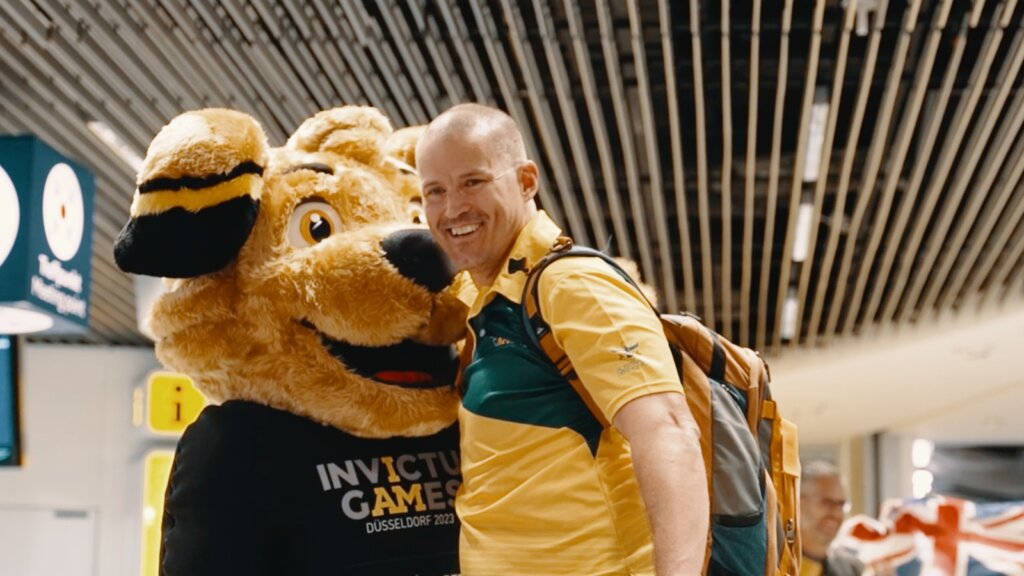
[[305, 303]]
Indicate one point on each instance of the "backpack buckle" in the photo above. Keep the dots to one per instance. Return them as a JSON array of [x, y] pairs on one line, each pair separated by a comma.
[[562, 244]]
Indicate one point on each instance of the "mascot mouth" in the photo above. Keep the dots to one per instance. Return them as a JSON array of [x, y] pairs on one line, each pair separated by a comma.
[[407, 364]]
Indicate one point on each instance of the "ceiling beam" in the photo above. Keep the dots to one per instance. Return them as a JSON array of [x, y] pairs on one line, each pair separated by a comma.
[[955, 232], [797, 185], [877, 150], [773, 180], [911, 189], [909, 124], [820, 186], [567, 107], [538, 99], [606, 160], [947, 159], [750, 175], [655, 188], [676, 144], [468, 60], [725, 259], [623, 124], [707, 288], [867, 74], [1004, 218], [513, 102]]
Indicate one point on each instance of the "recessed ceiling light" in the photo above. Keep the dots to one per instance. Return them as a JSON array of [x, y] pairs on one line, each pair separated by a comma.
[[790, 309], [921, 452], [802, 241], [816, 136]]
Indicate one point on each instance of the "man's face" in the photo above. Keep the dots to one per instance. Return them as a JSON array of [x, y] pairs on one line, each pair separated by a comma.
[[475, 201], [822, 508]]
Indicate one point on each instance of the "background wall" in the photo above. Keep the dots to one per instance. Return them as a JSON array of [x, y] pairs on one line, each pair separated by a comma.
[[82, 458], [955, 380]]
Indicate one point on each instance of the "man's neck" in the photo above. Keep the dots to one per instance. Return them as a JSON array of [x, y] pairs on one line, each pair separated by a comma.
[[483, 280]]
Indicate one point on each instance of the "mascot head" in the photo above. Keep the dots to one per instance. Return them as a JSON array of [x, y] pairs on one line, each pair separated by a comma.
[[296, 276]]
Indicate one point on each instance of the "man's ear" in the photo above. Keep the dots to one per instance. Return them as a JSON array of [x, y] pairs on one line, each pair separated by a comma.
[[529, 179]]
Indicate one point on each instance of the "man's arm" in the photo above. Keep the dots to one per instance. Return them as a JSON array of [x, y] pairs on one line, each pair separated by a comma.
[[669, 468], [618, 348]]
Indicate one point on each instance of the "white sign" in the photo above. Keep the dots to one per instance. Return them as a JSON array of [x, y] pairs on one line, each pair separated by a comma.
[[10, 215], [63, 212]]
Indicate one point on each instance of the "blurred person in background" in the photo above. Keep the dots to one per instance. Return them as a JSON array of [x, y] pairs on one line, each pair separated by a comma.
[[823, 507]]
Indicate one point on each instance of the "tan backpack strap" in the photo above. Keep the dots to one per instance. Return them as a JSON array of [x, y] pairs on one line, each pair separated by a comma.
[[539, 329], [539, 333], [559, 359], [716, 371]]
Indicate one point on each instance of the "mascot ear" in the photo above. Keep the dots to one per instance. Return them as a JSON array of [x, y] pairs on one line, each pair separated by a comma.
[[401, 153], [197, 197], [357, 132], [401, 146]]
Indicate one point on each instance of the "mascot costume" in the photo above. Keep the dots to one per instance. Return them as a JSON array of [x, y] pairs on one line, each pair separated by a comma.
[[303, 301]]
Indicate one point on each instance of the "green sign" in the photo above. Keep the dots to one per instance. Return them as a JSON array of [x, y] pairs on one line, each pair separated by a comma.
[[46, 203]]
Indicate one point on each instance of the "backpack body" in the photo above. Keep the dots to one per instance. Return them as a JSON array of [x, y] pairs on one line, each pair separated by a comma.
[[750, 452]]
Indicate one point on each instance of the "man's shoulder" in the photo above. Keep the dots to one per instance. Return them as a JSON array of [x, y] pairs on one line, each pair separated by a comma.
[[581, 268], [586, 277]]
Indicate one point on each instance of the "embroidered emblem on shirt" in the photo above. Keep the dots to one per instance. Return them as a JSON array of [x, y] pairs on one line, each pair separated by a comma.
[[629, 355], [628, 352]]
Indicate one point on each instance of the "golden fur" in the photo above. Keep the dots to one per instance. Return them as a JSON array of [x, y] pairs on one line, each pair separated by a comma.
[[204, 142], [401, 152], [244, 332]]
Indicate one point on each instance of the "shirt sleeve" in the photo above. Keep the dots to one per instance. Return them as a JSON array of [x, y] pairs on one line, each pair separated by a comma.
[[613, 338]]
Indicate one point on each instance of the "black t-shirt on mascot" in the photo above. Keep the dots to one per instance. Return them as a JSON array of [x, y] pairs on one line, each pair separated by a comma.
[[257, 491]]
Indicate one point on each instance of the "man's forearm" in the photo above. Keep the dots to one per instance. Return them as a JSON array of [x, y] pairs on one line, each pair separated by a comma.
[[671, 475]]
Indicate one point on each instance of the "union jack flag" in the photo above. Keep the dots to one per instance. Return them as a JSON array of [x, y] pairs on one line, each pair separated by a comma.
[[940, 536]]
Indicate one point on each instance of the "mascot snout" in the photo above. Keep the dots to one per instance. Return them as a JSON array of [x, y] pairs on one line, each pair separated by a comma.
[[417, 257]]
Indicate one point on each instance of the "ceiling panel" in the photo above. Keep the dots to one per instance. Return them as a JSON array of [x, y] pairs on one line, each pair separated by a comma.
[[705, 140]]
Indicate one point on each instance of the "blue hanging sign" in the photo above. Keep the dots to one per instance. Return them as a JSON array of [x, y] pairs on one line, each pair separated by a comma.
[[46, 204]]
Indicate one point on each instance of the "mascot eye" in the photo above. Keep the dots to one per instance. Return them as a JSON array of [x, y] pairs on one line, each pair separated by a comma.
[[312, 223]]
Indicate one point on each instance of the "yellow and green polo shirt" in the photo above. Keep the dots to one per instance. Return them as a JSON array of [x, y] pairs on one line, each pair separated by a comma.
[[546, 489]]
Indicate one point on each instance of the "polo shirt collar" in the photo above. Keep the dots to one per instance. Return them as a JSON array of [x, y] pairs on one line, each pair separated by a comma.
[[533, 243]]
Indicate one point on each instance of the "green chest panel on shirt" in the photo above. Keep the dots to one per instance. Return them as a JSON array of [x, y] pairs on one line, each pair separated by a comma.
[[508, 379]]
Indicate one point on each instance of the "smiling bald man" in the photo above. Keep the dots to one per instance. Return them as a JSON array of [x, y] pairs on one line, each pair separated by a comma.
[[603, 480]]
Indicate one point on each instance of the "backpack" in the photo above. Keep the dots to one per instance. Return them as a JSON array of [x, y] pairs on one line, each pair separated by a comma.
[[750, 451]]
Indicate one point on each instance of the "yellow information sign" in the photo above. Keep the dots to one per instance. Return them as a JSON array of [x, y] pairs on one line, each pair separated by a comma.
[[173, 402], [154, 484]]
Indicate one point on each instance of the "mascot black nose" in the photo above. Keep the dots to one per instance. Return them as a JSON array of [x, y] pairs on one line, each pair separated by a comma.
[[419, 258]]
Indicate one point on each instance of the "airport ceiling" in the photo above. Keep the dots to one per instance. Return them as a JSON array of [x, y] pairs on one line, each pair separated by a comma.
[[883, 140]]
